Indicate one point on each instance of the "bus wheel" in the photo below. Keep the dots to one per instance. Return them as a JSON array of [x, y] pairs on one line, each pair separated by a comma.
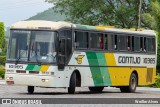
[[132, 84], [30, 89], [96, 89], [72, 85]]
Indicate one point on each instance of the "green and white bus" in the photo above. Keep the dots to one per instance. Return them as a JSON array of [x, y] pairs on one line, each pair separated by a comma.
[[66, 55]]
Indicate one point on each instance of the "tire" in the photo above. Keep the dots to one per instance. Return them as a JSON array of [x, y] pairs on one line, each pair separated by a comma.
[[30, 89], [72, 85], [132, 84], [96, 89]]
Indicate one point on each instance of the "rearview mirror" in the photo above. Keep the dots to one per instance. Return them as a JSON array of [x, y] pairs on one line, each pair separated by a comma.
[[62, 47], [61, 62], [61, 55]]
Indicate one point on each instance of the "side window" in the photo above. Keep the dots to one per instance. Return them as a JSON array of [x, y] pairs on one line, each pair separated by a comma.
[[81, 39], [144, 44], [68, 35], [129, 43], [132, 43], [150, 44], [141, 44], [153, 45], [106, 41], [115, 42], [96, 40], [136, 43], [111, 42], [122, 42]]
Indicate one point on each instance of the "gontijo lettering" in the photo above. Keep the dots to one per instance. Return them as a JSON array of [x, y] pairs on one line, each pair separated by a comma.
[[129, 59], [135, 60]]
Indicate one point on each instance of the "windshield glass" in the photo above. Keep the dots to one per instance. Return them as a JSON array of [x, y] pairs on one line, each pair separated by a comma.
[[42, 48], [32, 46], [18, 45]]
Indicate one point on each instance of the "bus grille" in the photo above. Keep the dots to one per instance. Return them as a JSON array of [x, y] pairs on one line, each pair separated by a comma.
[[20, 71], [149, 74], [33, 72]]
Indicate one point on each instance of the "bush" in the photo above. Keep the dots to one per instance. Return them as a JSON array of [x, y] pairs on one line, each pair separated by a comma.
[[2, 72], [2, 60], [157, 82]]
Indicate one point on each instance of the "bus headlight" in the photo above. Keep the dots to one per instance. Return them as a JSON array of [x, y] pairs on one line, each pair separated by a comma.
[[9, 78]]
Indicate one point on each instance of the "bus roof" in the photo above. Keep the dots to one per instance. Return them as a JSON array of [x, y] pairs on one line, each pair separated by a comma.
[[50, 25], [39, 24]]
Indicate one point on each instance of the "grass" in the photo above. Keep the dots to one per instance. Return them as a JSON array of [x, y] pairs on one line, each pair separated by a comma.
[[157, 82]]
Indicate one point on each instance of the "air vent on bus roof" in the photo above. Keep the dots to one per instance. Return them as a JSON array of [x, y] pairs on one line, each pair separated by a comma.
[[45, 28]]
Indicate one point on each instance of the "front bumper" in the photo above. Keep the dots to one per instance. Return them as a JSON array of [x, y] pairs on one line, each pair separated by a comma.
[[31, 80]]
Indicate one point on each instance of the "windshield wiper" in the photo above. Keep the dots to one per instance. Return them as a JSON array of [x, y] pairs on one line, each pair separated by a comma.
[[17, 60], [39, 63]]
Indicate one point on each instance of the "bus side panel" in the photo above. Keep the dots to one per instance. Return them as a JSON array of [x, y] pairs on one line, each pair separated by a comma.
[[106, 69], [80, 62], [120, 71]]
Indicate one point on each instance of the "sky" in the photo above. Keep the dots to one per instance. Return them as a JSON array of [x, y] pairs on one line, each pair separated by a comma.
[[12, 11]]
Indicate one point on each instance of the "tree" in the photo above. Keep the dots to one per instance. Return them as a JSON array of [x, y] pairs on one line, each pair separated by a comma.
[[120, 13], [152, 21], [1, 33]]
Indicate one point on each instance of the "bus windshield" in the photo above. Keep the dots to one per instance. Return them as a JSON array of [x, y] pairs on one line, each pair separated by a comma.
[[32, 46]]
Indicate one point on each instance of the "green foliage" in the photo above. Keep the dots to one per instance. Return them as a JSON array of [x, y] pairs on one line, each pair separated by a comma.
[[157, 82], [158, 54], [4, 51], [151, 20], [2, 72], [1, 33], [120, 13], [2, 60]]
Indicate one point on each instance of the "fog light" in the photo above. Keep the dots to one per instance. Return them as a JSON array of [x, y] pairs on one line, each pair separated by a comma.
[[45, 80], [11, 78]]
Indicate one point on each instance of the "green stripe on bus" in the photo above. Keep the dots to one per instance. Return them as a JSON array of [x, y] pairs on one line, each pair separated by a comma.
[[104, 70], [95, 71], [85, 27], [30, 67], [36, 68]]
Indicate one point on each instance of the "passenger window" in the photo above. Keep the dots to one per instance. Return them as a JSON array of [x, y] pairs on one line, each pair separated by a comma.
[[150, 44], [96, 41], [132, 43], [81, 39], [129, 43], [141, 44], [144, 44], [136, 43], [115, 43], [111, 44], [106, 41], [122, 42]]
